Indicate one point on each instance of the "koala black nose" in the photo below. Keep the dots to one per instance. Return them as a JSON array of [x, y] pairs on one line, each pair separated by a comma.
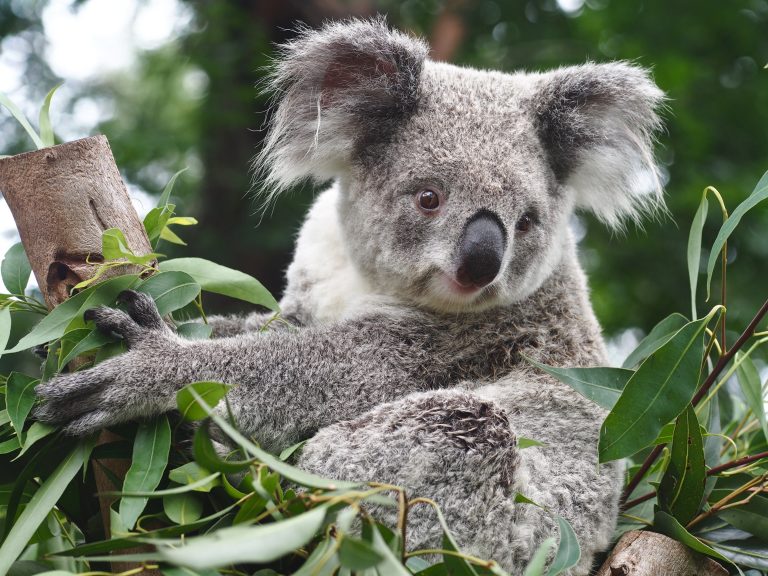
[[481, 250]]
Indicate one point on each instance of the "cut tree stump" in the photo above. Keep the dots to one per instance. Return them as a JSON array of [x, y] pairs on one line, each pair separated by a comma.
[[650, 554], [62, 199]]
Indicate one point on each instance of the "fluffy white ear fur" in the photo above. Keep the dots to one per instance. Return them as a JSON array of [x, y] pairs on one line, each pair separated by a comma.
[[598, 123], [334, 87]]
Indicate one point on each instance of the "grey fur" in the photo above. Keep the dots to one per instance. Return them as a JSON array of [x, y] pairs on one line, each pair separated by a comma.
[[393, 372]]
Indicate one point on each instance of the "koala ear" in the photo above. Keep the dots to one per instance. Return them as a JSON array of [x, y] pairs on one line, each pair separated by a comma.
[[597, 123], [337, 87]]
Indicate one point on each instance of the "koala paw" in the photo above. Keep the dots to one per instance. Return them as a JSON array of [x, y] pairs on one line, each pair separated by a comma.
[[123, 388]]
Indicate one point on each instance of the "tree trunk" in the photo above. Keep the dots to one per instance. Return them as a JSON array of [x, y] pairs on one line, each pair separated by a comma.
[[62, 199], [650, 554]]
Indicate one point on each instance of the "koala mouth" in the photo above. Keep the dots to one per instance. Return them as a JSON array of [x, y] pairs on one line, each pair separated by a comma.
[[460, 288]]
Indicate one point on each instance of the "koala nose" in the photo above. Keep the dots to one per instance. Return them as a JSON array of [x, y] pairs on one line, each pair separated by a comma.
[[481, 250]]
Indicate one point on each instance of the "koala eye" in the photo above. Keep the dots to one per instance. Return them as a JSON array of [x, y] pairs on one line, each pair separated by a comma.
[[428, 200], [525, 223]]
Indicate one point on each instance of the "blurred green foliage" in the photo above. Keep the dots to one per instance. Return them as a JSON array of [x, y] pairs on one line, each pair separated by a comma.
[[193, 103]]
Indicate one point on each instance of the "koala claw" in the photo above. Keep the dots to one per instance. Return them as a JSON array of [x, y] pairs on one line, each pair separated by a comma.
[[141, 319]]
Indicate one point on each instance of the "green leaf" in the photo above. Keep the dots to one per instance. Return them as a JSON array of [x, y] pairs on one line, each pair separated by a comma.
[[40, 505], [206, 455], [5, 328], [751, 517], [114, 246], [666, 524], [155, 221], [10, 445], [358, 554], [751, 552], [682, 486], [46, 130], [209, 392], [749, 380], [694, 249], [601, 385], [165, 196], [95, 339], [36, 432], [660, 390], [170, 290], [262, 544], [16, 269], [194, 331], [20, 397], [656, 338], [523, 443], [53, 326], [170, 236], [21, 119], [390, 564], [539, 559], [192, 474], [182, 508], [759, 194], [568, 551], [150, 457], [222, 280]]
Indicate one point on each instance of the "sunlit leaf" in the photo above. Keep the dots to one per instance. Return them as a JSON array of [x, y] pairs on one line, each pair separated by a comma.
[[21, 119], [170, 236], [209, 392], [193, 474], [150, 457], [165, 196], [46, 130], [114, 246], [262, 543], [222, 280]]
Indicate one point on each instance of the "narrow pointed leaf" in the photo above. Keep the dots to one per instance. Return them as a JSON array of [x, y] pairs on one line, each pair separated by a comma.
[[264, 543], [656, 338], [5, 328], [20, 397], [40, 505], [539, 559], [682, 486], [16, 269], [222, 280], [166, 195], [666, 524], [749, 380], [21, 119], [601, 385], [660, 390], [150, 457], [694, 249], [759, 194], [751, 517], [568, 550], [46, 130], [209, 392]]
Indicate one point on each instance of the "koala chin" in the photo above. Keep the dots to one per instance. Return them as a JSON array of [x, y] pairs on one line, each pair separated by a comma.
[[438, 257]]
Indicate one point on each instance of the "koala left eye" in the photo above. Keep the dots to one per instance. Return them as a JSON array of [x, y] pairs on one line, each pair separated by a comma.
[[525, 223]]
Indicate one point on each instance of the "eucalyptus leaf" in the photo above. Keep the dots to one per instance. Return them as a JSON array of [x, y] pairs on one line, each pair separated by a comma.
[[192, 474], [46, 130], [170, 290], [601, 385], [749, 381], [358, 554], [656, 338], [263, 543], [38, 508], [20, 397], [21, 119], [667, 525], [195, 331], [5, 328], [694, 249], [390, 565], [568, 550], [222, 280], [658, 392], [166, 195], [751, 517], [682, 486], [93, 340], [150, 457], [539, 559], [54, 324], [759, 194], [182, 508], [36, 432], [16, 269], [209, 392]]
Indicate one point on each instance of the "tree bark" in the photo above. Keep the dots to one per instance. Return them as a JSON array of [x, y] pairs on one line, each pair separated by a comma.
[[650, 554], [62, 199]]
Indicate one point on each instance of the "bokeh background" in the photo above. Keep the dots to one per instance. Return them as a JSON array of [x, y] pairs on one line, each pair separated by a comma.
[[171, 83]]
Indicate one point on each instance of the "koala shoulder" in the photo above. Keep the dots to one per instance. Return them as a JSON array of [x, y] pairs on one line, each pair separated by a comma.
[[323, 285]]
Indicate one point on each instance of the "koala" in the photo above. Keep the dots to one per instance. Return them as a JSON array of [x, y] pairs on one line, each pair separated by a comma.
[[439, 257]]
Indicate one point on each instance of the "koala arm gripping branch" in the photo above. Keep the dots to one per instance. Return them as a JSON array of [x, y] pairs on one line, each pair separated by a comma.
[[289, 383]]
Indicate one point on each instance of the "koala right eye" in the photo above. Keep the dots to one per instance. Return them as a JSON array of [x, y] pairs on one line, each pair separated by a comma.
[[428, 201]]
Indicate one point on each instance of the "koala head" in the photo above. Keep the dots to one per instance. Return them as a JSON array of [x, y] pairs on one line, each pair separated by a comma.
[[456, 184]]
